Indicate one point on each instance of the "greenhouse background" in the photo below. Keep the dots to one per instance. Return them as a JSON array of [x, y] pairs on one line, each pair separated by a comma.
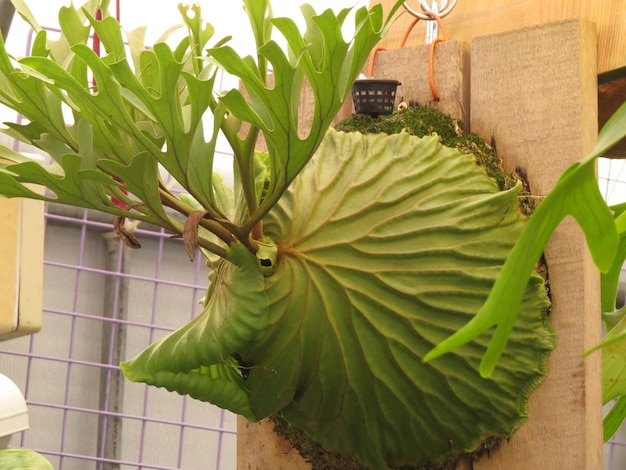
[[103, 303]]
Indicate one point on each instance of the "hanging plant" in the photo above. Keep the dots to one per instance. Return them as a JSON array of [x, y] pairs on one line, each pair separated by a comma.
[[340, 261], [427, 277]]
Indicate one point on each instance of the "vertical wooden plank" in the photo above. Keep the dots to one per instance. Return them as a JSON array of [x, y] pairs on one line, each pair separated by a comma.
[[409, 66], [472, 19], [534, 94], [9, 253], [259, 448], [32, 226], [21, 276]]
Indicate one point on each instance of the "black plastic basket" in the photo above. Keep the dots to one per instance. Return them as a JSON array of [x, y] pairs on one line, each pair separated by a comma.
[[374, 96]]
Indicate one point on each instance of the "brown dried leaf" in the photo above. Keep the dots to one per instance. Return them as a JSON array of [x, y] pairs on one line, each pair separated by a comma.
[[127, 236], [190, 233]]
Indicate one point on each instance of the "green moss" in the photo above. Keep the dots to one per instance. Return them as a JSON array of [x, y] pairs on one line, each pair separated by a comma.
[[311, 451], [421, 121], [322, 459], [417, 120]]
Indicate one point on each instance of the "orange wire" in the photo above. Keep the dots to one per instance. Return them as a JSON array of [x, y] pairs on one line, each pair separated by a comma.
[[408, 31], [431, 51], [370, 67], [431, 54]]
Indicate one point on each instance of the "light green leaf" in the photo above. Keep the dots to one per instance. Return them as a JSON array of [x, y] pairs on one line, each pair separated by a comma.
[[259, 20], [197, 359], [140, 177], [610, 280], [24, 11], [611, 338], [23, 459], [387, 246], [110, 34], [136, 39], [614, 418], [74, 31], [613, 363], [328, 62]]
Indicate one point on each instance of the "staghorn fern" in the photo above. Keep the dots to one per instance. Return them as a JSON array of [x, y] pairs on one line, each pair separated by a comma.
[[334, 275]]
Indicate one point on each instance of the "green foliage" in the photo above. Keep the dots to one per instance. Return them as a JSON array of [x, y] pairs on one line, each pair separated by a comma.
[[423, 121], [196, 359], [613, 345], [344, 292], [23, 459], [137, 110], [576, 194], [386, 245]]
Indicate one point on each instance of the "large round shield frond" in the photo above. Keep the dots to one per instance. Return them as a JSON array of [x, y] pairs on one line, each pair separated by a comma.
[[387, 246]]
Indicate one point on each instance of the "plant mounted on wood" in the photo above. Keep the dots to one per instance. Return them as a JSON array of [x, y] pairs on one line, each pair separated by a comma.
[[339, 260]]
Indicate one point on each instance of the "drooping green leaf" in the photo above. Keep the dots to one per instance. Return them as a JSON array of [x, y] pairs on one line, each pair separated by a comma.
[[613, 347], [611, 338], [23, 459], [197, 359]]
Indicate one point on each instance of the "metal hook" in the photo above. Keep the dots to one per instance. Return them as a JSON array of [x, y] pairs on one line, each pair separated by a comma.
[[432, 28]]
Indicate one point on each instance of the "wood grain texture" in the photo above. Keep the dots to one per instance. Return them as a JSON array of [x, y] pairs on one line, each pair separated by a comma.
[[409, 66], [259, 448], [21, 276], [538, 102], [32, 223], [9, 240], [470, 19]]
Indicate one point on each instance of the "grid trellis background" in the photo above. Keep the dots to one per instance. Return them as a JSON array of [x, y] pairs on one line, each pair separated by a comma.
[[102, 303]]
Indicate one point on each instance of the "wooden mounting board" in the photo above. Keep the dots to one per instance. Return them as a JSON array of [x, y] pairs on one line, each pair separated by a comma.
[[409, 66], [470, 19], [21, 276], [538, 102]]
